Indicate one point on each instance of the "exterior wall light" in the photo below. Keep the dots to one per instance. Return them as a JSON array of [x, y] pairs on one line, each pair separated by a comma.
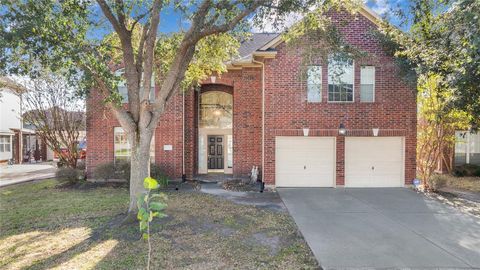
[[375, 131], [342, 130], [213, 79], [305, 132]]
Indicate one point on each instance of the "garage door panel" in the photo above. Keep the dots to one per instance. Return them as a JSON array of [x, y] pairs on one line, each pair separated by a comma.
[[304, 161], [374, 161]]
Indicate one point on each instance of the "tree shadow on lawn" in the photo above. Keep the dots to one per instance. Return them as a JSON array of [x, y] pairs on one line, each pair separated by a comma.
[[201, 231]]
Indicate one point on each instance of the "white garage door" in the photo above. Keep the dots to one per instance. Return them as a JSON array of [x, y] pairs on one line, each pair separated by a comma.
[[374, 162], [304, 161]]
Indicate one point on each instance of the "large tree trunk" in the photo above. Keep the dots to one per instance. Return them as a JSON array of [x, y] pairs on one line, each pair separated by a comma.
[[140, 168]]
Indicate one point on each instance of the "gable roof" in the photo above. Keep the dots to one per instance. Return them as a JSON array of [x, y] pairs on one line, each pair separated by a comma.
[[8, 83], [255, 42], [266, 41], [264, 44]]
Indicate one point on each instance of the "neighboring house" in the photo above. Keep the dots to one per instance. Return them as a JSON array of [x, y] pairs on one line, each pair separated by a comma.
[[467, 148], [11, 130], [79, 116], [310, 132]]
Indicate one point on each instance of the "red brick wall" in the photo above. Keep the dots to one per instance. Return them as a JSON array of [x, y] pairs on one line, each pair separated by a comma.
[[246, 85], [287, 112], [169, 132], [247, 121], [287, 108], [101, 123]]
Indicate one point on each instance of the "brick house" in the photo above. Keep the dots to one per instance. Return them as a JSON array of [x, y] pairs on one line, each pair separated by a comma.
[[306, 131]]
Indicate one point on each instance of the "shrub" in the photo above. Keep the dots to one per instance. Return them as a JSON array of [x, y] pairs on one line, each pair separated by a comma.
[[438, 181], [466, 170], [157, 173], [104, 171], [70, 175], [81, 165], [121, 170]]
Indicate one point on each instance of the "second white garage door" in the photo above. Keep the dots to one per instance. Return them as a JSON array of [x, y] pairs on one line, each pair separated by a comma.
[[374, 162], [304, 161]]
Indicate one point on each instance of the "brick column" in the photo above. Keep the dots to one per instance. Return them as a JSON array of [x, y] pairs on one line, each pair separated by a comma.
[[340, 175]]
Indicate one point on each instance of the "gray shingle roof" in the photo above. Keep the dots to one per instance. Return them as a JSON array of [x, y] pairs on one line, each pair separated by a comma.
[[255, 42]]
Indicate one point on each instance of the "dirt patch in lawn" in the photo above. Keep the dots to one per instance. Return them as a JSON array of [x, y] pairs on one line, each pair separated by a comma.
[[43, 227]]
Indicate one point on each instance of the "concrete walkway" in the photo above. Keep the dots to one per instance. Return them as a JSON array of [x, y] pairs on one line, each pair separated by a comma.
[[383, 228], [19, 173]]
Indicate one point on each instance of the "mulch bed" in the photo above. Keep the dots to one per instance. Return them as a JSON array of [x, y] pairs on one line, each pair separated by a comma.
[[240, 186]]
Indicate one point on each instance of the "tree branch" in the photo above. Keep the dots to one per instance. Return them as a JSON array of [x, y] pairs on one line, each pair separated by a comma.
[[150, 49], [112, 19]]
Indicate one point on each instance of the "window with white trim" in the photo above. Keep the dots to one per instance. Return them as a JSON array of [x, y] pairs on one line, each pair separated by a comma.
[[367, 84], [121, 146], [5, 144], [467, 148], [314, 83], [123, 91], [340, 80]]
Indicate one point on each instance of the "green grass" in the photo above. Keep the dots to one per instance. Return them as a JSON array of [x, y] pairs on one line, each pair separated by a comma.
[[45, 227]]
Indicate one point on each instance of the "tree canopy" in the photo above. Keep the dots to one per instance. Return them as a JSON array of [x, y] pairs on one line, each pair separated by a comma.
[[66, 36], [444, 39]]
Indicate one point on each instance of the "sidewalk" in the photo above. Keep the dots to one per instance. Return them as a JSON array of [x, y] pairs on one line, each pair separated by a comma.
[[18, 173]]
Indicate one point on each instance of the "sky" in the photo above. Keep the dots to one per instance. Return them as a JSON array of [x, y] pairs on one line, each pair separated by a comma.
[[171, 20]]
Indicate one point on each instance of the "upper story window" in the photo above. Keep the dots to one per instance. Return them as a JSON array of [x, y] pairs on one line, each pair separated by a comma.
[[122, 87], [340, 80], [367, 84], [314, 83]]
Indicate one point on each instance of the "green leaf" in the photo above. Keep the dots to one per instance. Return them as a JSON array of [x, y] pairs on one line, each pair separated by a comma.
[[157, 206], [145, 236], [162, 215], [150, 183], [143, 225], [140, 200], [141, 213], [162, 196]]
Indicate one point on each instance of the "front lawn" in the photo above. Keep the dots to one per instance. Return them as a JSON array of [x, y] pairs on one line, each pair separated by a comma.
[[45, 227]]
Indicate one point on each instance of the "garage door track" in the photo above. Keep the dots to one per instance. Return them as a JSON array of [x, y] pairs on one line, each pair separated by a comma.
[[383, 228]]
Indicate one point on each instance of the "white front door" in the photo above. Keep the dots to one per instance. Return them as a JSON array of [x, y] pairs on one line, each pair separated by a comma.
[[374, 162], [304, 161]]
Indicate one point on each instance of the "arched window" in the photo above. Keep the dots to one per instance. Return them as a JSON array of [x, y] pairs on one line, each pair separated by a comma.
[[216, 110]]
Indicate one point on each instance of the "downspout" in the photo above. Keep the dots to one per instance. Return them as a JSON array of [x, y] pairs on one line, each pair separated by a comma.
[[263, 121], [20, 132], [184, 176]]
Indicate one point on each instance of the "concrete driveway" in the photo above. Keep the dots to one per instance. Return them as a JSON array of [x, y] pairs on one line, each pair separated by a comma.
[[19, 173], [383, 228]]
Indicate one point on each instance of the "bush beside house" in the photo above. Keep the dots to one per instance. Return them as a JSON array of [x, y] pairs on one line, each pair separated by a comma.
[[120, 170]]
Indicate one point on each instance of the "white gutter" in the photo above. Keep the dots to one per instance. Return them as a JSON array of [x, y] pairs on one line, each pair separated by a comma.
[[263, 117]]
